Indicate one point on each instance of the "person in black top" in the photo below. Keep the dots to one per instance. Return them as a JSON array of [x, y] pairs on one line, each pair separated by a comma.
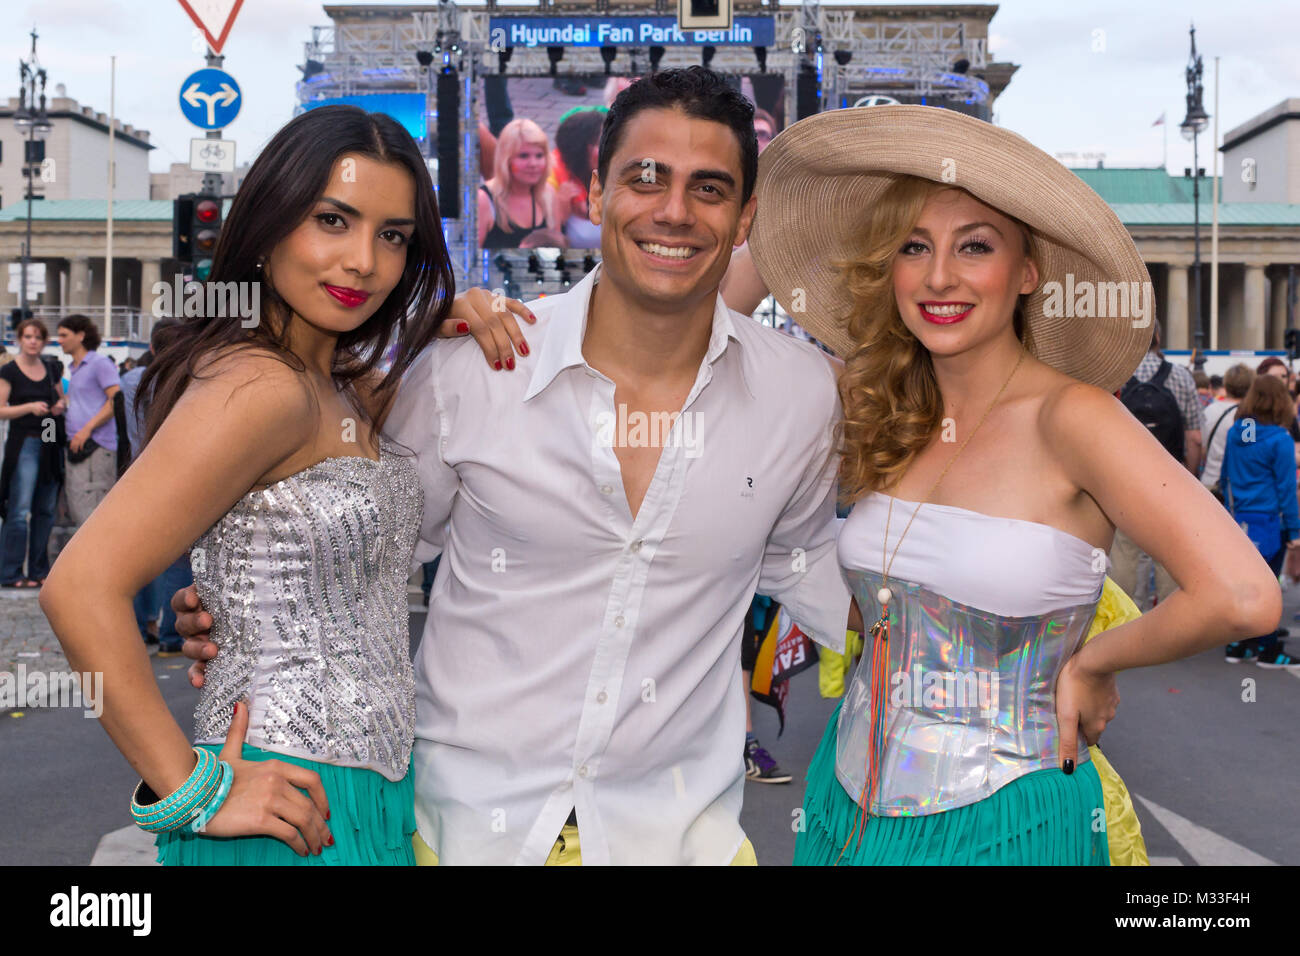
[[519, 187], [31, 398]]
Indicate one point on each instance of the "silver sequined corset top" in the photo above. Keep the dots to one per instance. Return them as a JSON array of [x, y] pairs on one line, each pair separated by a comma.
[[306, 584]]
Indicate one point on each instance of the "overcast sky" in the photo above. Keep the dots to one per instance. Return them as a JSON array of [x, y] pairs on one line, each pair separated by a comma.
[[1067, 96]]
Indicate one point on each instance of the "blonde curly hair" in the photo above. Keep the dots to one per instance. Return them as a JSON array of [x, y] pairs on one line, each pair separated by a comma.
[[891, 400]]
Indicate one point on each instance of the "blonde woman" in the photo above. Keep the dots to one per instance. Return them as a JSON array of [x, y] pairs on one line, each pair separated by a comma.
[[989, 468], [517, 200]]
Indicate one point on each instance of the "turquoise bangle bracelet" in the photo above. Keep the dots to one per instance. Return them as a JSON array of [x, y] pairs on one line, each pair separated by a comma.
[[163, 813], [210, 809], [188, 801]]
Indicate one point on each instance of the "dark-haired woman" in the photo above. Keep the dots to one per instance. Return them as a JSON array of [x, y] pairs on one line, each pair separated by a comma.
[[30, 394], [1259, 487], [299, 520]]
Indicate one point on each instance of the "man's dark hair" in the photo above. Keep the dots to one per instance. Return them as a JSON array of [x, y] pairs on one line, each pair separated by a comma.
[[697, 92], [573, 139], [82, 323]]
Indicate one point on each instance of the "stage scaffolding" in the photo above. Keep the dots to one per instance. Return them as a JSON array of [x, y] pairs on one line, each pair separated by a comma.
[[855, 56]]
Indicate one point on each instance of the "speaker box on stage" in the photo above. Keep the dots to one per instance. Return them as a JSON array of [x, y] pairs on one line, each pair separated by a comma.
[[769, 93], [807, 95], [449, 145]]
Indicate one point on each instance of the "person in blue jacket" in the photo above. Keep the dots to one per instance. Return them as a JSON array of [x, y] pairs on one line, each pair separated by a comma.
[[1259, 482]]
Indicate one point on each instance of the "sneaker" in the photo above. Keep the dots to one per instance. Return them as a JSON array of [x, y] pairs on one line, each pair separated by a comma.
[[1277, 659], [169, 648], [761, 768], [1239, 651]]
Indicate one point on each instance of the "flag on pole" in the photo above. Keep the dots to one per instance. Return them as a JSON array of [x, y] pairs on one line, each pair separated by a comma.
[[1161, 121]]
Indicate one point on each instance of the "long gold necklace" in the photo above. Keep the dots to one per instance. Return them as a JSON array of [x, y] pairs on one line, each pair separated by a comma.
[[880, 630], [884, 594]]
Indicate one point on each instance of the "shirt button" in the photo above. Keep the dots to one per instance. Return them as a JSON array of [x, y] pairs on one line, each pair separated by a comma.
[[582, 771], [606, 489], [620, 621], [602, 697], [636, 545]]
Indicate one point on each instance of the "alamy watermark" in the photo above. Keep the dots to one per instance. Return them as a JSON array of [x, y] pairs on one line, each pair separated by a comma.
[[1087, 300], [221, 300], [23, 688], [75, 908], [920, 688], [637, 429]]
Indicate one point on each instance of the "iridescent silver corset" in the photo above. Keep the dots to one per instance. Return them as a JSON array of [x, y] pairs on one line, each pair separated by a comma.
[[306, 584], [971, 701]]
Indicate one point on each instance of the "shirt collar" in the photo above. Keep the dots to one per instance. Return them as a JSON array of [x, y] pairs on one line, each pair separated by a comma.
[[562, 347]]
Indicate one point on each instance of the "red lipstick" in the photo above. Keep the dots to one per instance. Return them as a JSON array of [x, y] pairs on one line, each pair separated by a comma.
[[949, 317], [348, 297]]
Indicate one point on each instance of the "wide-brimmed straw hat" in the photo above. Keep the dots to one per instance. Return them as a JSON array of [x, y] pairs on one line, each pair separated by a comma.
[[1093, 312]]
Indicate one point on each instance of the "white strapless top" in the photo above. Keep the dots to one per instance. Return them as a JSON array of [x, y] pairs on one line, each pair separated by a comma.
[[1008, 566]]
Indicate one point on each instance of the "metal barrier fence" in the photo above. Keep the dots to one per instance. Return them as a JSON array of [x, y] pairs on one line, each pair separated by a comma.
[[125, 322]]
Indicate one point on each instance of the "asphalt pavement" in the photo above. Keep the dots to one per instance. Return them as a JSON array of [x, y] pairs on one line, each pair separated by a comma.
[[1206, 748]]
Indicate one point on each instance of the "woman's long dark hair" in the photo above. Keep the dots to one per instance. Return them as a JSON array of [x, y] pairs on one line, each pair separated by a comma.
[[281, 189]]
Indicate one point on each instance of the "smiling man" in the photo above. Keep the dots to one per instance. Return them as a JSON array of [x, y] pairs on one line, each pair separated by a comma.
[[579, 671]]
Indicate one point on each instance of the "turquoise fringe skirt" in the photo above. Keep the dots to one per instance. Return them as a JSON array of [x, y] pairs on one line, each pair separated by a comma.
[[371, 818], [1045, 818]]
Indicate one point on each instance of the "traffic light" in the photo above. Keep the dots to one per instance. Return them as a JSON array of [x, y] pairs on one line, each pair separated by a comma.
[[182, 214], [207, 225], [196, 224]]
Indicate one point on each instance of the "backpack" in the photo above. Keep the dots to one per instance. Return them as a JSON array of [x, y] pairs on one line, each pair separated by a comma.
[[1155, 407]]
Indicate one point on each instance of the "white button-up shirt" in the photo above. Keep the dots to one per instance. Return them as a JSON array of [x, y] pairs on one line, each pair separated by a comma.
[[575, 657]]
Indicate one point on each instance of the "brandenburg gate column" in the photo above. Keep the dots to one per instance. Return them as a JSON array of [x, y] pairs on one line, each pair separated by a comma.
[[1177, 335]]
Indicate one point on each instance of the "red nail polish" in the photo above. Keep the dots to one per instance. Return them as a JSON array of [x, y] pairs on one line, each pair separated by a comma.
[[462, 327], [510, 363], [497, 365], [523, 347], [533, 317]]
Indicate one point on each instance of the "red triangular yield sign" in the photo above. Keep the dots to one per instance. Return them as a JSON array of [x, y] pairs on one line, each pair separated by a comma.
[[214, 18]]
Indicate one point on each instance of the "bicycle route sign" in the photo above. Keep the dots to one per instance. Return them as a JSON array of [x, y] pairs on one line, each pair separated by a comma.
[[212, 155], [210, 98]]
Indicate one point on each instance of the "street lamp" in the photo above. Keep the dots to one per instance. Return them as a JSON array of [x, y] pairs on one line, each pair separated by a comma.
[[35, 123], [1196, 121]]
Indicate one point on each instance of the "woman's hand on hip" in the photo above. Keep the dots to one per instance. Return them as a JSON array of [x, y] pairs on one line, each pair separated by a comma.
[[1085, 701], [266, 798]]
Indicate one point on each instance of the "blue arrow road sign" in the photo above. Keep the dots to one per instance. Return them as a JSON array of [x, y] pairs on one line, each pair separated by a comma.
[[210, 99]]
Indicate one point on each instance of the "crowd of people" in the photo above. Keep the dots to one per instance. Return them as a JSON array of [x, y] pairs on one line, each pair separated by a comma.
[[575, 694], [68, 441]]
